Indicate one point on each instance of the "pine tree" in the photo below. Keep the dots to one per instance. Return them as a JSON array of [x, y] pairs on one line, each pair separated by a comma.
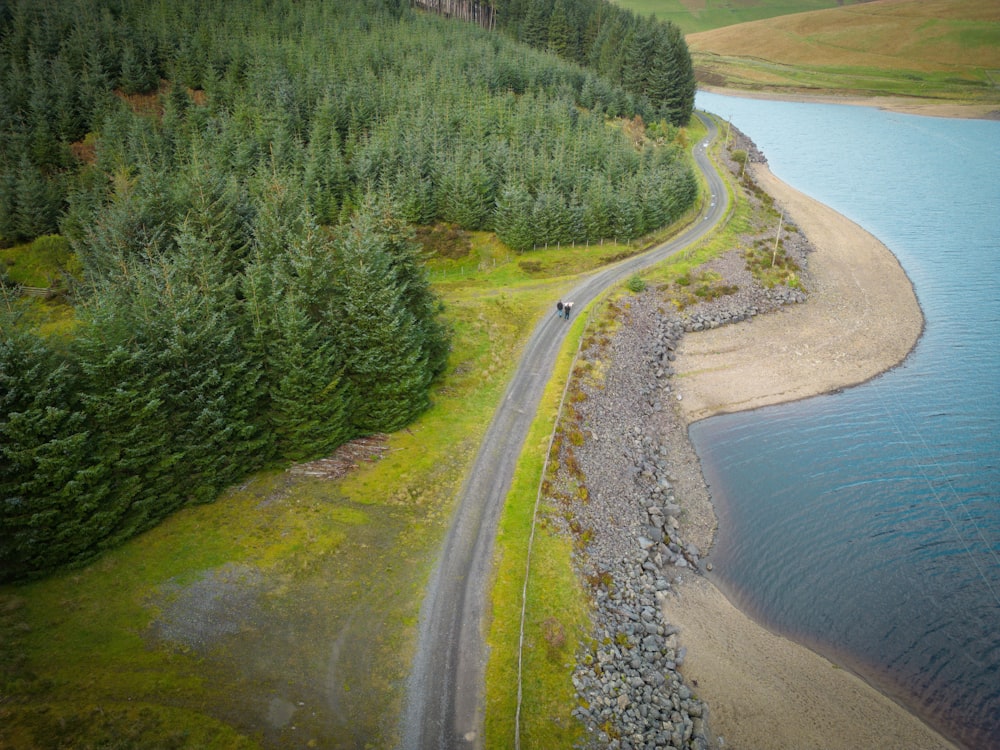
[[535, 29], [37, 201], [214, 388], [467, 190], [45, 150], [137, 72], [678, 102], [45, 457], [8, 207], [549, 217], [216, 211], [289, 293], [69, 121], [309, 397], [124, 393], [512, 219], [384, 355], [561, 38], [409, 275], [326, 175]]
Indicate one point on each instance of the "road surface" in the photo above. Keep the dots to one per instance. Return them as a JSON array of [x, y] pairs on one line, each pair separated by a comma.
[[443, 707]]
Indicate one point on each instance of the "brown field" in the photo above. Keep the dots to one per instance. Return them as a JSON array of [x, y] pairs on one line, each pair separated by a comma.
[[934, 49]]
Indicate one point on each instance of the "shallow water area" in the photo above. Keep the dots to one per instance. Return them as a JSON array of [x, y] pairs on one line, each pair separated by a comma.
[[866, 524]]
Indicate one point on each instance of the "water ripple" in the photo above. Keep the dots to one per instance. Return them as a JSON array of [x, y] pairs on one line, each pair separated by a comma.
[[867, 523]]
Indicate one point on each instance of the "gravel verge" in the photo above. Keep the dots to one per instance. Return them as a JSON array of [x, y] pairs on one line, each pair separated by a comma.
[[643, 517]]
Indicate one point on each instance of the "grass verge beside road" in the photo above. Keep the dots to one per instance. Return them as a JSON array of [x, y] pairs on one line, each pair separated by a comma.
[[557, 621], [285, 613]]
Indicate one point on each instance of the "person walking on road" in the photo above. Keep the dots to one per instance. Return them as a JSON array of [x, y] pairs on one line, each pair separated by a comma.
[[567, 306], [559, 308]]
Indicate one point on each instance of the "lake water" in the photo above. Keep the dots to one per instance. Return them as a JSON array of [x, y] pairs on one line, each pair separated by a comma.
[[866, 524]]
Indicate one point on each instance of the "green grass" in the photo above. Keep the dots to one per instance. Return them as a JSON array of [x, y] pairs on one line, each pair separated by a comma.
[[40, 263], [713, 14], [556, 602], [972, 85], [557, 610], [331, 573], [939, 51], [45, 263]]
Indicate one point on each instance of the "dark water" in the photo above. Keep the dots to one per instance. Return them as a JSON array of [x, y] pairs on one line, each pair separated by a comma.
[[867, 524]]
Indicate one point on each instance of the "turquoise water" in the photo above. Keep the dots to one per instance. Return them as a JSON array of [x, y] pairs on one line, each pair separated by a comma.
[[866, 524]]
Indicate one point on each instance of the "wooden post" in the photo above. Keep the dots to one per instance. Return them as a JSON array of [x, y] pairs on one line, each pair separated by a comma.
[[774, 253]]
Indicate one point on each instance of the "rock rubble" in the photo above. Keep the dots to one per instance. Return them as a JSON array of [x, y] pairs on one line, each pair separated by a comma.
[[644, 503], [630, 690]]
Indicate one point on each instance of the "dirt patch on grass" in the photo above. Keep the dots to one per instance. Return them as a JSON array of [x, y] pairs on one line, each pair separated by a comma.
[[294, 656], [221, 603]]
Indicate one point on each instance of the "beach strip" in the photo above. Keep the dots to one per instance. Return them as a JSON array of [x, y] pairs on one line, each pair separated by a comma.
[[764, 691]]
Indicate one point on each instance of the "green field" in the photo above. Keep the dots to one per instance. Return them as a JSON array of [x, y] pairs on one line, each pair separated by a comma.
[[938, 50], [284, 614], [701, 15]]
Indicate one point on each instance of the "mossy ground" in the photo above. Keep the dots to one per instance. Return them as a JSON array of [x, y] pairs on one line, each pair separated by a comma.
[[284, 614]]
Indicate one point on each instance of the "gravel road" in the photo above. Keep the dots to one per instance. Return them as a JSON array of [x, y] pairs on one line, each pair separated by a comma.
[[444, 694]]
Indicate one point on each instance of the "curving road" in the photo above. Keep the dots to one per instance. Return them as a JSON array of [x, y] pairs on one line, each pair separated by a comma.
[[444, 693]]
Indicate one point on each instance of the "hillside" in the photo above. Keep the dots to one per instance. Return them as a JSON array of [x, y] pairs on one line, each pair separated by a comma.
[[942, 50], [701, 15]]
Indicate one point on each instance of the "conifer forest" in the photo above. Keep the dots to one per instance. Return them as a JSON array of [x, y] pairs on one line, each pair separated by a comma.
[[232, 189]]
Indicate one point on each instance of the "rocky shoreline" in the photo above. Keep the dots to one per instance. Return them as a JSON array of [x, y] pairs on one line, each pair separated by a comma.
[[645, 516]]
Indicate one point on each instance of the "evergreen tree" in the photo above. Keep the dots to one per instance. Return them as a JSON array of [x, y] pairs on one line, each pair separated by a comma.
[[627, 222], [417, 194], [512, 219], [561, 39], [46, 496], [137, 72], [37, 203], [68, 121], [45, 150], [535, 29], [124, 392], [214, 386], [217, 212], [385, 358], [677, 102], [309, 397], [289, 293], [409, 275], [467, 191], [550, 218], [326, 174], [8, 207]]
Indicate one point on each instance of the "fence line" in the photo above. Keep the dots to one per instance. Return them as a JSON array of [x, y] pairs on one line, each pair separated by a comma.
[[531, 536]]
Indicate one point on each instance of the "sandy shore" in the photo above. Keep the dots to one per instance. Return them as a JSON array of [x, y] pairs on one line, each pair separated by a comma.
[[862, 318], [764, 691], [903, 104]]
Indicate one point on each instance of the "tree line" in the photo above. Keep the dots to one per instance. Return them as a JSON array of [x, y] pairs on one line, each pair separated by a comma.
[[649, 58], [238, 183]]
